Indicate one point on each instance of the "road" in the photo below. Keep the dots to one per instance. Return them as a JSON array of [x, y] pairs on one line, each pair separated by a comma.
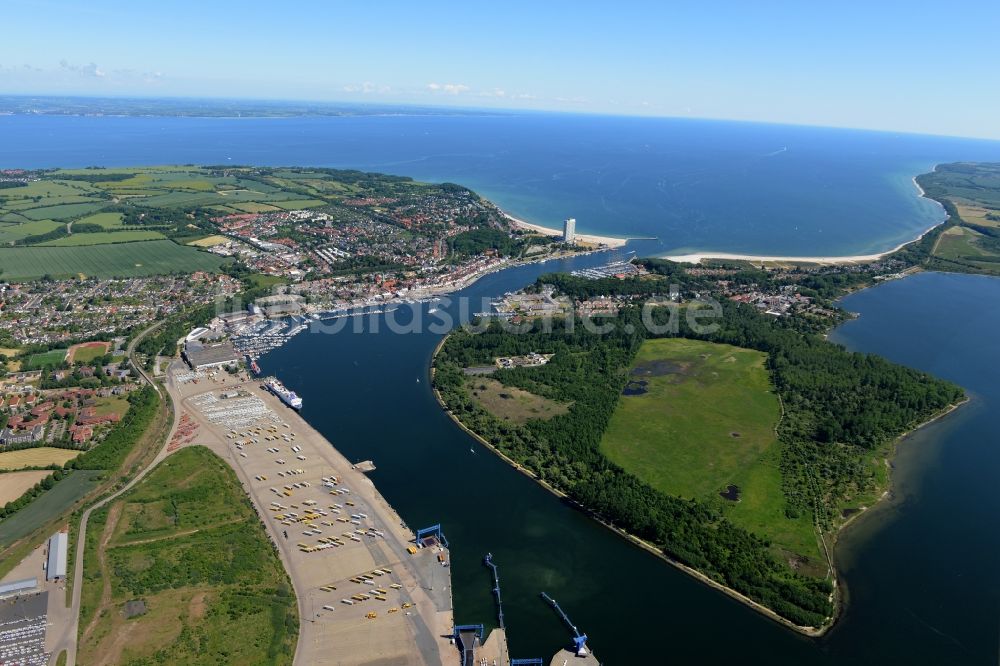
[[68, 641]]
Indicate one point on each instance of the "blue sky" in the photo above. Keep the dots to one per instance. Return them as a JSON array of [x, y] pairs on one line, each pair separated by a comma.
[[907, 66]]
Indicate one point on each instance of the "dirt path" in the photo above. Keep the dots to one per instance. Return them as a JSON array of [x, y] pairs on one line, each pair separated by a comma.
[[175, 535], [114, 515], [146, 454]]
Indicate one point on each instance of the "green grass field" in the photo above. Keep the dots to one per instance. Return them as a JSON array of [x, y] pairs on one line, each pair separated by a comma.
[[187, 543], [40, 360], [705, 422], [87, 353], [103, 238], [48, 505], [156, 257]]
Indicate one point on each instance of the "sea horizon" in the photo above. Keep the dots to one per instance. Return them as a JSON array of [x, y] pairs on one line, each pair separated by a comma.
[[698, 186]]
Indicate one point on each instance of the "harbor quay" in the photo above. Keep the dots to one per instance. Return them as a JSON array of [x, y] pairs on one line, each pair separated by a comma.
[[369, 592]]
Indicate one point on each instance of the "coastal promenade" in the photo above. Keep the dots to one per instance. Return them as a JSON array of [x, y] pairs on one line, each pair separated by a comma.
[[413, 623]]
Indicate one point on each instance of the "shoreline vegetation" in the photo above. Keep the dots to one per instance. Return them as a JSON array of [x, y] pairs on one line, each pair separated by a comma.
[[916, 253], [813, 632], [883, 492]]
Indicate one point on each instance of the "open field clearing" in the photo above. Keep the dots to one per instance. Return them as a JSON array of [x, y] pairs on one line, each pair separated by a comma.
[[107, 220], [512, 403], [157, 257], [979, 215], [208, 241], [697, 420], [88, 351], [103, 238], [37, 457], [966, 245], [194, 574], [14, 484]]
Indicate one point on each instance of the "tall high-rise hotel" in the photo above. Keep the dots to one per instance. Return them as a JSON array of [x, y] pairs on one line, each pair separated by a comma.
[[569, 230]]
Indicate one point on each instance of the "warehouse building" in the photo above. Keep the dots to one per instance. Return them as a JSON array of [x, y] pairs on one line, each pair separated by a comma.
[[55, 568], [202, 357]]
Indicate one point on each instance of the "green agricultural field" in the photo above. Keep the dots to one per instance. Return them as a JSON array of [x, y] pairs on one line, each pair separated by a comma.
[[62, 212], [44, 202], [106, 220], [252, 207], [36, 361], [701, 419], [15, 232], [156, 257], [187, 544], [297, 204], [963, 244], [48, 505], [102, 238], [42, 189]]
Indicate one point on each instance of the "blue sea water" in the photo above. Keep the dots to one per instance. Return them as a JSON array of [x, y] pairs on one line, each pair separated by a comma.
[[691, 184]]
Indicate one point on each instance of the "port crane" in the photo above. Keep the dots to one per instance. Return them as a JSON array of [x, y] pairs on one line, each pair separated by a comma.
[[579, 640]]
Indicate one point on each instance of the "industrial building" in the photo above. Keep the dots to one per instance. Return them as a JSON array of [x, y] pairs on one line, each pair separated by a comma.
[[202, 357], [55, 567], [17, 587]]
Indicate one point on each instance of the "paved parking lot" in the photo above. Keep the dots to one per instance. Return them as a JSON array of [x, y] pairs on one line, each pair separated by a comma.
[[23, 622]]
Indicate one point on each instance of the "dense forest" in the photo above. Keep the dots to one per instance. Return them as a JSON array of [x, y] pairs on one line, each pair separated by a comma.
[[838, 406]]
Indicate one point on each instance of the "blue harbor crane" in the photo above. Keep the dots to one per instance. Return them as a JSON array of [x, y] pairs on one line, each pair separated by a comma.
[[579, 640], [434, 531]]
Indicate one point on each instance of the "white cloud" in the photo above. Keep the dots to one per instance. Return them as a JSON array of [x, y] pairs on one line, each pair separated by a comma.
[[90, 70], [571, 100], [449, 88], [367, 88]]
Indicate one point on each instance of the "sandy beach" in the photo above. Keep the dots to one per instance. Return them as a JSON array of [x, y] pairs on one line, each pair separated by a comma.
[[698, 257], [582, 238]]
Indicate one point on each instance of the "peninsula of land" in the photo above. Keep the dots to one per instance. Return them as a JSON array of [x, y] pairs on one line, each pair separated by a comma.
[[748, 439]]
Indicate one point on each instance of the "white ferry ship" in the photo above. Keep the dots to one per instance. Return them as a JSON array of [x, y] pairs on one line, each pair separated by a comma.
[[288, 397]]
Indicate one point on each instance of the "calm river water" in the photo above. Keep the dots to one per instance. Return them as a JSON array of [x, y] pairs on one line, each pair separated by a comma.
[[920, 571]]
